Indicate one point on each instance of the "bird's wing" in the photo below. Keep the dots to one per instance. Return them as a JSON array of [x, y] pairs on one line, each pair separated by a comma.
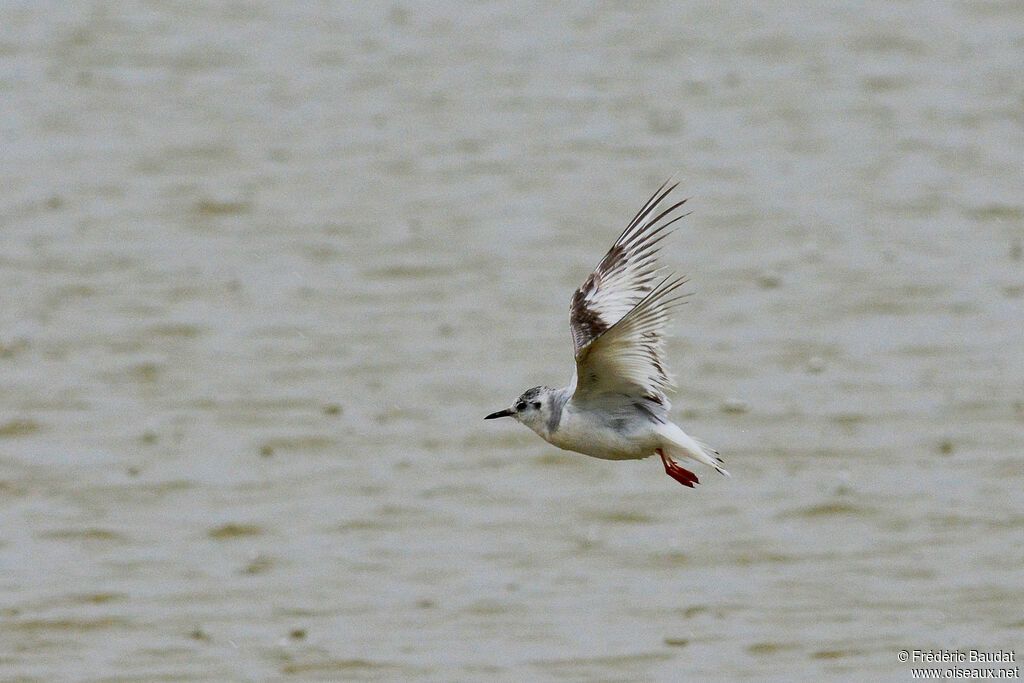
[[618, 315]]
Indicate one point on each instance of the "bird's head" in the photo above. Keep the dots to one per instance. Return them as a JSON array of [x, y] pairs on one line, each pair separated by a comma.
[[532, 409]]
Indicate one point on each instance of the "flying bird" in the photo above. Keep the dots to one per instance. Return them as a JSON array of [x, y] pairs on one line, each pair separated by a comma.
[[615, 408]]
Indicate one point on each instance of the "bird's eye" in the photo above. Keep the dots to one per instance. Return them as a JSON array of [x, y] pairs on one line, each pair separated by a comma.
[[520, 406], [535, 405]]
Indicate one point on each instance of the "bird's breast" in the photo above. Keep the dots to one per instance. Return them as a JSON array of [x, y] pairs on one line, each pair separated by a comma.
[[602, 435]]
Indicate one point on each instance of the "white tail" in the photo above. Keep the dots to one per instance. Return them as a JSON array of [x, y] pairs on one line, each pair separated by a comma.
[[679, 444]]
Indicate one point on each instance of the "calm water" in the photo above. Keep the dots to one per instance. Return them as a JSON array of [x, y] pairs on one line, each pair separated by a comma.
[[266, 267]]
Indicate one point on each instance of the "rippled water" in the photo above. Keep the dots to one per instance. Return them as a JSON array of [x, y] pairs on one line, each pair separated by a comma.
[[266, 266]]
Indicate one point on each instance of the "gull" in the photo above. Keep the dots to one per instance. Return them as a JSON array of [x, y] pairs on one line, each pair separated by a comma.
[[615, 407]]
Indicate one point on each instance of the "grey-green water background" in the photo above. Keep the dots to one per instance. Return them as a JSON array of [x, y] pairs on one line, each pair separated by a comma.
[[265, 266]]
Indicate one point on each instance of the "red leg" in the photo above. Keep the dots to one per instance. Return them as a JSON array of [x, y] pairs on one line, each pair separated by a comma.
[[672, 469]]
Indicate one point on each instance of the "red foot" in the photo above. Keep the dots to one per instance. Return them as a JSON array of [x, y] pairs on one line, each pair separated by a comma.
[[672, 469]]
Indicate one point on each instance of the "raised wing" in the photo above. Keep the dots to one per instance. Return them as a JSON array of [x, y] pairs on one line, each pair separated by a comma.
[[619, 314]]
